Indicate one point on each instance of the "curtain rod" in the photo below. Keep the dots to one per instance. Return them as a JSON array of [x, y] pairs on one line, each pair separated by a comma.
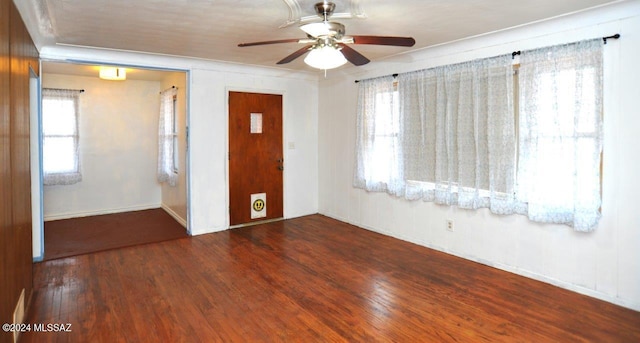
[[168, 88], [394, 75], [616, 36], [65, 89], [516, 53]]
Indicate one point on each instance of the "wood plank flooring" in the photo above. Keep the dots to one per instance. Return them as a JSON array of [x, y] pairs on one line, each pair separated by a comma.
[[310, 279], [77, 236]]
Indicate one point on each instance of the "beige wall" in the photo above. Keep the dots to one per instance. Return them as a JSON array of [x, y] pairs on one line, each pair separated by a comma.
[[118, 148]]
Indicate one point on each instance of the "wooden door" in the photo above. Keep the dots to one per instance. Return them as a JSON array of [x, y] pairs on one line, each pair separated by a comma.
[[256, 160]]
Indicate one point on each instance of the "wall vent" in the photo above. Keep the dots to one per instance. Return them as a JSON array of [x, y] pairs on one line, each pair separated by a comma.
[[18, 316]]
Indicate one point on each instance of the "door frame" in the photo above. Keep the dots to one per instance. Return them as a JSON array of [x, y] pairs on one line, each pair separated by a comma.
[[39, 165], [226, 160], [35, 147]]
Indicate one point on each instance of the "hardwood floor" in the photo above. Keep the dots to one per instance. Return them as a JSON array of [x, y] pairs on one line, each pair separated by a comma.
[[310, 279], [77, 236]]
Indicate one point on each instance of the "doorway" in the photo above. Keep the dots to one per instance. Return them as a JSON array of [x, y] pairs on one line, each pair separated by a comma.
[[256, 161], [118, 144]]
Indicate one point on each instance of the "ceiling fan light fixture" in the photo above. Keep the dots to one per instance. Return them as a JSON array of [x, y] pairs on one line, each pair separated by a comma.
[[327, 46], [315, 29], [325, 57], [325, 28]]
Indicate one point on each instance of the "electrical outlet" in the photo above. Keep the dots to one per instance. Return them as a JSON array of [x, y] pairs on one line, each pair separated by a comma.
[[450, 225]]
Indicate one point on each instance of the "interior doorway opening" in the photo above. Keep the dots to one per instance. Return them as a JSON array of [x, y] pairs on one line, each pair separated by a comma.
[[118, 144]]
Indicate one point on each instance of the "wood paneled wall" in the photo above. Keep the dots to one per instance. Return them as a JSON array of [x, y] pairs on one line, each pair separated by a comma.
[[17, 56]]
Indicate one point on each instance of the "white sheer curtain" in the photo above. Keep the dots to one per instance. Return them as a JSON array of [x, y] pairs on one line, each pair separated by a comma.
[[61, 161], [561, 133], [449, 135], [165, 137], [458, 134], [378, 153]]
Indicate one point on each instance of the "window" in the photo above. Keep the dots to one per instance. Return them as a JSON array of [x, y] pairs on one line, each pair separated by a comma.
[[561, 133], [61, 162], [168, 138], [379, 154], [441, 152], [454, 136], [459, 134], [385, 135]]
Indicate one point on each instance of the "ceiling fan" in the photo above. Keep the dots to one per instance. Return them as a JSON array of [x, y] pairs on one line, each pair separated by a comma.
[[327, 43]]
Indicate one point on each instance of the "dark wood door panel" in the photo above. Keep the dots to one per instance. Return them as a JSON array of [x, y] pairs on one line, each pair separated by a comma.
[[255, 159]]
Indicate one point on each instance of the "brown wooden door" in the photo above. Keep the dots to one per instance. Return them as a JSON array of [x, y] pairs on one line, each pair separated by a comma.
[[255, 157]]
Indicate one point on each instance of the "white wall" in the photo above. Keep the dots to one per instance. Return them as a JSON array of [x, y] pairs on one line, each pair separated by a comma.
[[209, 83], [209, 141], [118, 125], [174, 198], [603, 264]]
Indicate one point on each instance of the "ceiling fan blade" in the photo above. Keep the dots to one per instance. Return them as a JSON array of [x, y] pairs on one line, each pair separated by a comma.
[[295, 55], [292, 40], [384, 40], [353, 56]]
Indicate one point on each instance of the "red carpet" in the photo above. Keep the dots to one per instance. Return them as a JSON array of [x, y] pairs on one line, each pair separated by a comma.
[[77, 236]]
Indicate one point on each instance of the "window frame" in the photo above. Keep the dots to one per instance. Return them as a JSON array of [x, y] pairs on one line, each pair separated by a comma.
[[516, 111], [392, 134], [431, 185], [68, 176]]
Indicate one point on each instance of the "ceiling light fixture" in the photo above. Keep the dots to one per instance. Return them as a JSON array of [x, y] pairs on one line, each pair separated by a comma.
[[113, 73], [325, 28], [325, 57]]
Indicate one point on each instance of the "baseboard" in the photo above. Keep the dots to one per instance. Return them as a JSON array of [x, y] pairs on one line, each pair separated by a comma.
[[543, 278], [259, 222], [175, 216], [574, 288], [69, 215], [511, 269]]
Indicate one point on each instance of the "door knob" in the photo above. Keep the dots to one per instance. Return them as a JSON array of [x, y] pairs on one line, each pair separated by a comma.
[[280, 168]]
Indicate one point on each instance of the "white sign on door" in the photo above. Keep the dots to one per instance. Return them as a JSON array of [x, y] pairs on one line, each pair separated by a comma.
[[258, 205]]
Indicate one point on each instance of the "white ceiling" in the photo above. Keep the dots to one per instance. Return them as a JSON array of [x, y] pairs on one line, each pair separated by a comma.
[[211, 29], [89, 70]]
